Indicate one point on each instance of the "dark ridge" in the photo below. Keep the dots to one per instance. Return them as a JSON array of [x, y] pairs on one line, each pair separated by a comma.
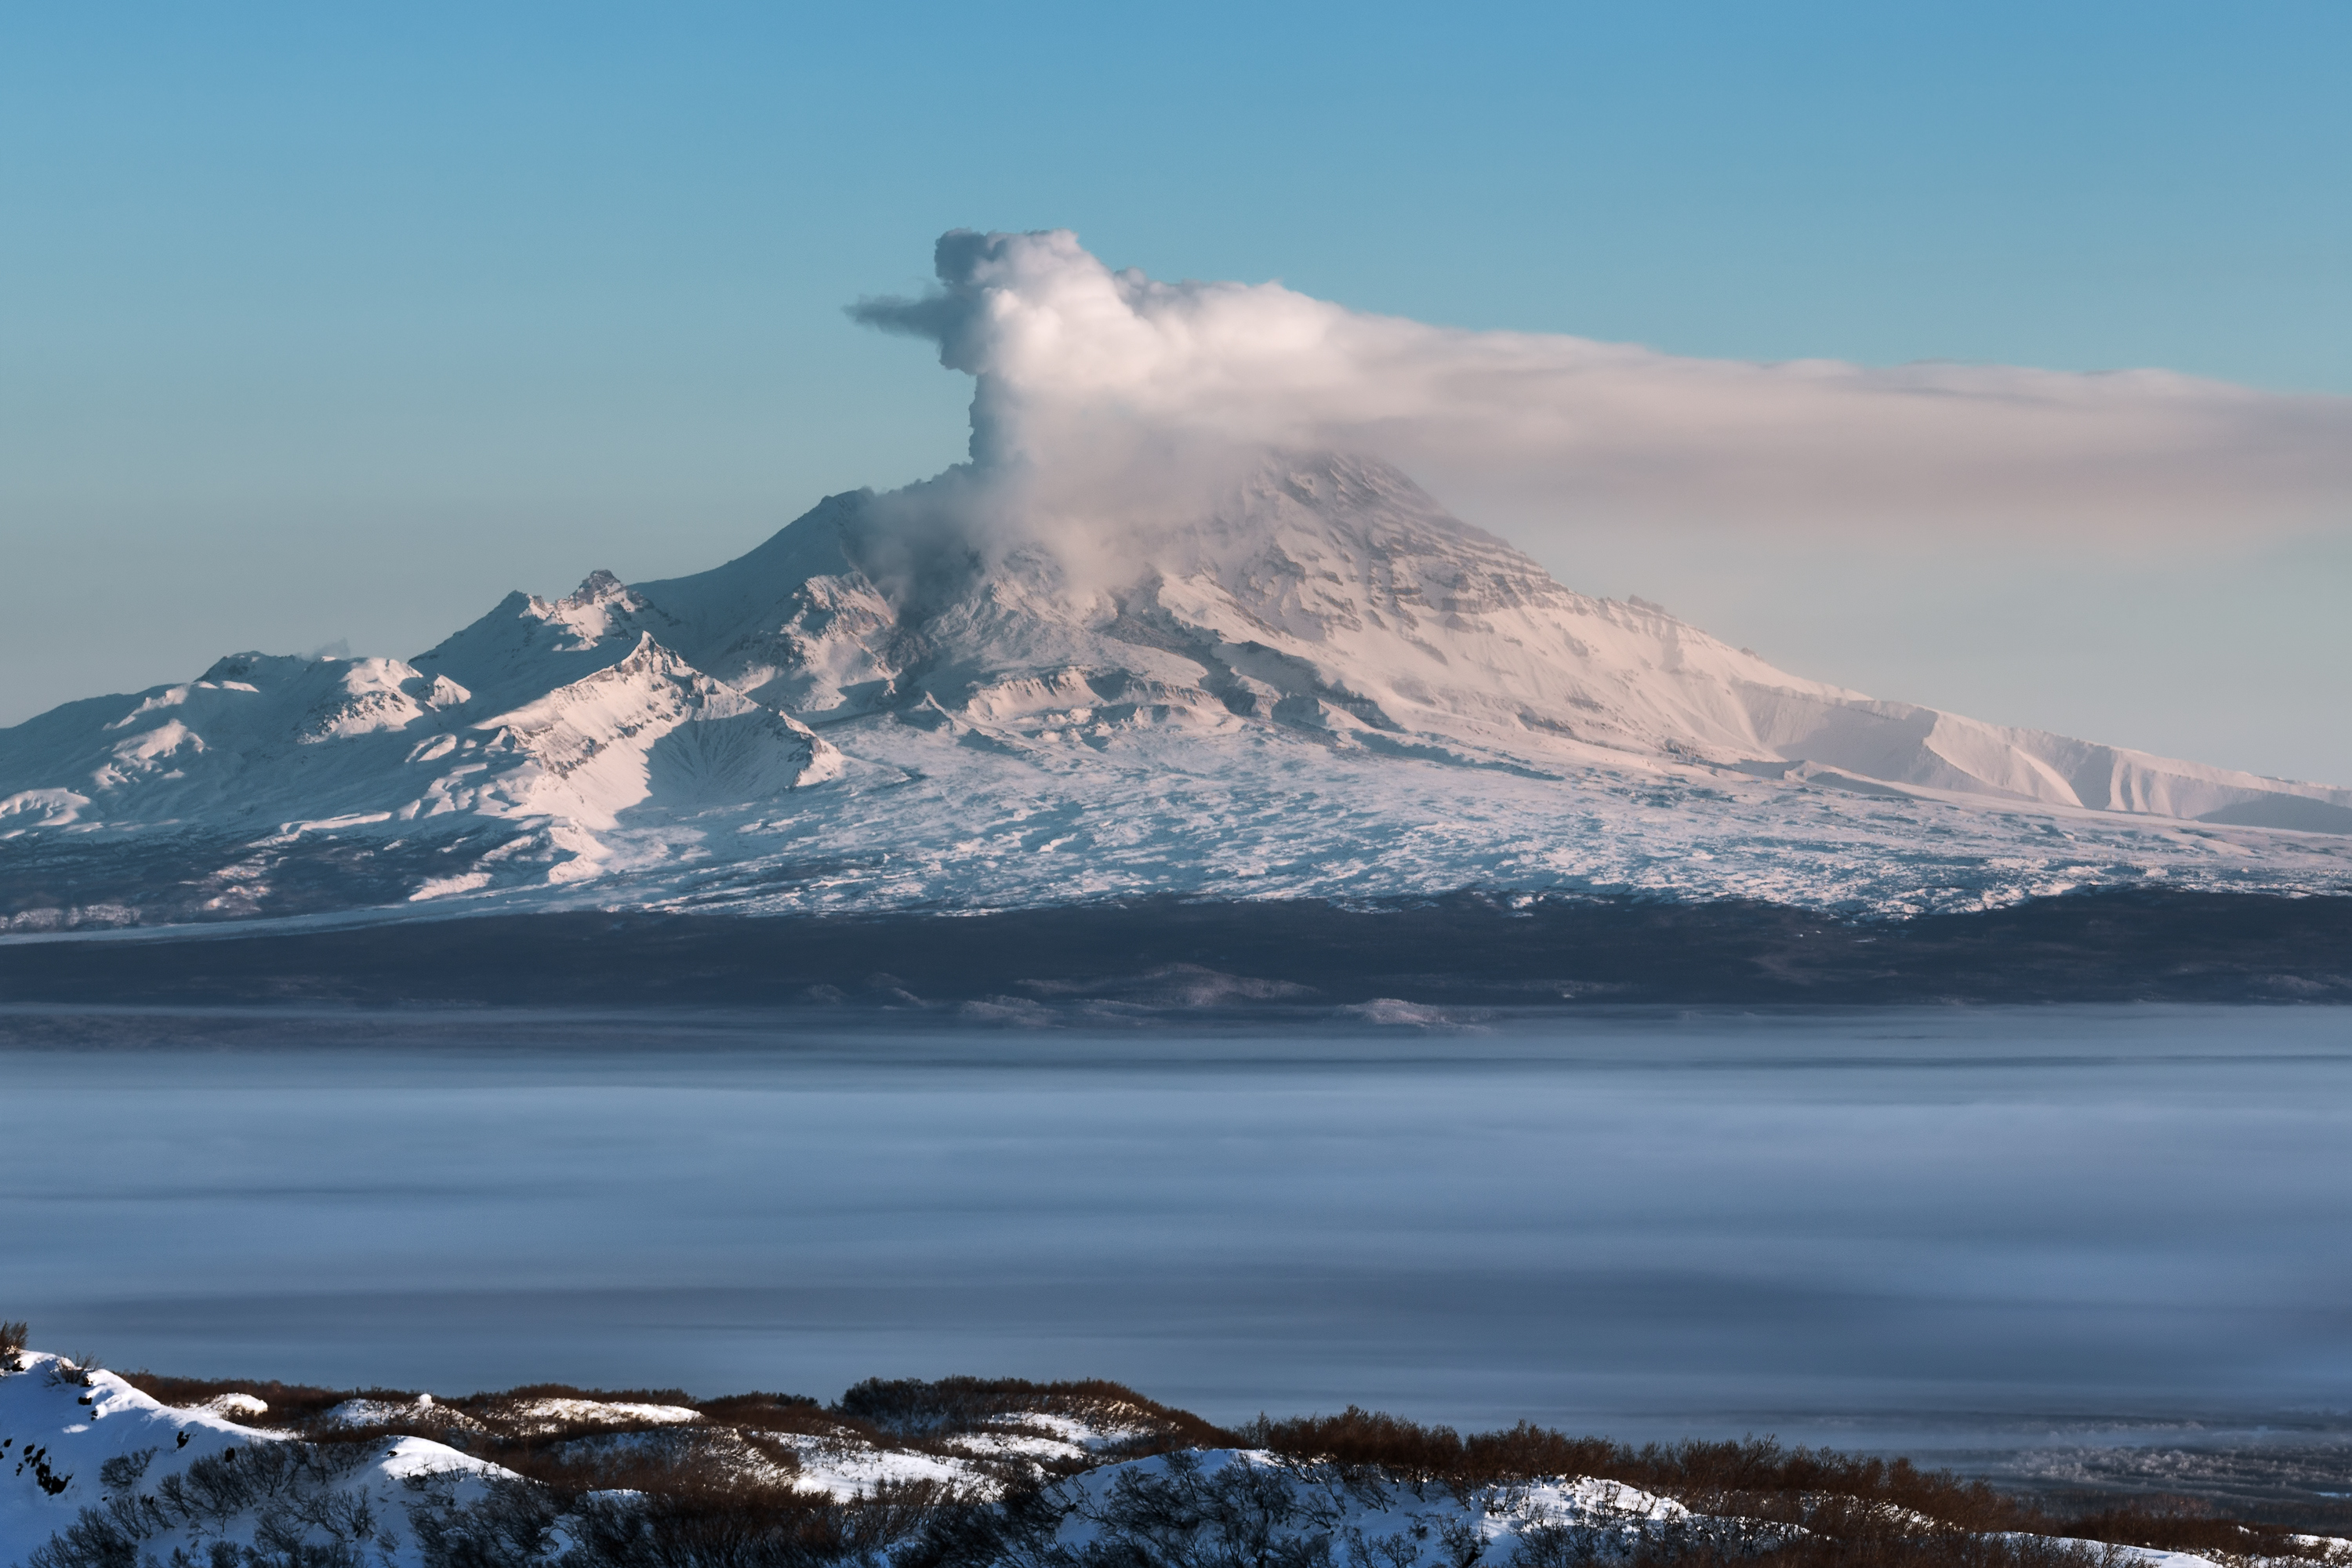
[[290, 1404], [1817, 1488], [1244, 957], [914, 1407]]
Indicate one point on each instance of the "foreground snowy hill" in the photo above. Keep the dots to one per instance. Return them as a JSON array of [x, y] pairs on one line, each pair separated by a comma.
[[1319, 685], [962, 1473]]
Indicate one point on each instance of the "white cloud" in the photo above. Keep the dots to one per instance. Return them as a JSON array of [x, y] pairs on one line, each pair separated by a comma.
[[1088, 377]]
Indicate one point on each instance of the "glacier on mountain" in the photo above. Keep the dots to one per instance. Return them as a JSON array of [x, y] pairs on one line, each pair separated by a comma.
[[1319, 685]]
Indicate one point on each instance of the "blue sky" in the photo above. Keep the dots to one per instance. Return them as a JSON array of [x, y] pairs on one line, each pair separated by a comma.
[[337, 323]]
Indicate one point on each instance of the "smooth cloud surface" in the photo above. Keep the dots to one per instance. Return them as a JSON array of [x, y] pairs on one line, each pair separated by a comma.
[[1091, 380]]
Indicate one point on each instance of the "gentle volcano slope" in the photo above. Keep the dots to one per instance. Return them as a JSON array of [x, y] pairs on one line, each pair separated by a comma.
[[1324, 685], [1333, 597]]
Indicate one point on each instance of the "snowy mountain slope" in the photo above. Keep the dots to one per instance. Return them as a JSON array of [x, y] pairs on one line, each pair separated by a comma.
[[1332, 595], [81, 1440], [493, 763], [102, 1473], [1321, 685]]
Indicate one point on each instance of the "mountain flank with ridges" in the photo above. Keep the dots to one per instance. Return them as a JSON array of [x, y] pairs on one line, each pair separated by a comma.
[[1321, 685]]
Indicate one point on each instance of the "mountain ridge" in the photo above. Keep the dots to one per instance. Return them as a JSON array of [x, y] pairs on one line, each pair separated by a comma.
[[1322, 637]]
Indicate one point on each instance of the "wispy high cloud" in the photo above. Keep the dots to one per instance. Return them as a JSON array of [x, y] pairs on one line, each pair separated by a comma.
[[1084, 373]]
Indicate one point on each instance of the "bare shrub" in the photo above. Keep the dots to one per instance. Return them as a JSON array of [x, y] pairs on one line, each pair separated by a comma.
[[914, 1408], [291, 1404], [1804, 1502], [656, 1510], [123, 1471], [1176, 1515], [510, 1526], [2182, 1524], [97, 1538], [771, 1413], [75, 1371], [725, 1526], [302, 1517]]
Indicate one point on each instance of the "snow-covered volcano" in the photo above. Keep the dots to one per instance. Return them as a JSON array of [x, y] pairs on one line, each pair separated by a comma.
[[1321, 684]]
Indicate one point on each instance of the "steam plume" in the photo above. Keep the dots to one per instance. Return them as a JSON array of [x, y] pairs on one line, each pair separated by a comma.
[[1094, 384]]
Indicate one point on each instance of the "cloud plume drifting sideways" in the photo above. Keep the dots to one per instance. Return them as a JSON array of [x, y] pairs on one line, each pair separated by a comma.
[[1086, 374]]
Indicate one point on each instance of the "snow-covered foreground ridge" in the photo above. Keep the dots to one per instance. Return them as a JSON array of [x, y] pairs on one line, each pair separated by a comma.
[[101, 1473], [1322, 686]]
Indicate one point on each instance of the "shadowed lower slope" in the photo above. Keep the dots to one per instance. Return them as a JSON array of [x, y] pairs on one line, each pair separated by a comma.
[[1165, 957]]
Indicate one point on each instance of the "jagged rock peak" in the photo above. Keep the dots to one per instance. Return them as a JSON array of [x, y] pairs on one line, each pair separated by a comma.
[[597, 587]]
